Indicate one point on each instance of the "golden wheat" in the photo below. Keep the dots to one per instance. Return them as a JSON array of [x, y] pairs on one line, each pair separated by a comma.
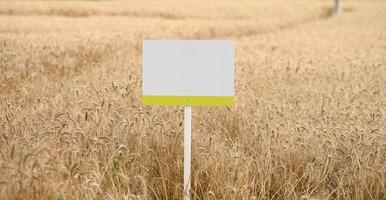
[[309, 121]]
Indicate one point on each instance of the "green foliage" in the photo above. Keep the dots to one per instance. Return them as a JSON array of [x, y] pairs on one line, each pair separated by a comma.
[[117, 162]]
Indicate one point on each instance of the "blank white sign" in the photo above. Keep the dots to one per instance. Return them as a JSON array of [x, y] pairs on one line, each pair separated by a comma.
[[181, 68]]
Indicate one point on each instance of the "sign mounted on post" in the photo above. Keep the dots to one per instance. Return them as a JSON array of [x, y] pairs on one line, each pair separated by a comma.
[[188, 72]]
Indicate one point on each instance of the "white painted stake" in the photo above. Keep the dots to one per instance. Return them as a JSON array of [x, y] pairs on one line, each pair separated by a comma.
[[187, 150]]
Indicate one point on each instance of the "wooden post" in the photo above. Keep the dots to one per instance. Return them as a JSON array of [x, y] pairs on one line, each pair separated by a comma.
[[187, 150], [337, 7]]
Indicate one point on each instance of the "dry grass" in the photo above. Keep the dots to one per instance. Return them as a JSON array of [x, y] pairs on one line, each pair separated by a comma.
[[309, 120]]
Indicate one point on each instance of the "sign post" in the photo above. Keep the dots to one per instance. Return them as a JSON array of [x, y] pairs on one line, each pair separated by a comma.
[[187, 149], [188, 73]]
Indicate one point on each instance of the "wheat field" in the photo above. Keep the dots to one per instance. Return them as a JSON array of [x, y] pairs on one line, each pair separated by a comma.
[[309, 119]]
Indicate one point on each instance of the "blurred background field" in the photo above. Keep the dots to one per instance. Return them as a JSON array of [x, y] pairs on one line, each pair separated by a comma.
[[309, 121]]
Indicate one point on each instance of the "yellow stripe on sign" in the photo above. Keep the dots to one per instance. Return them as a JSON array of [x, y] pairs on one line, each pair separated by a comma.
[[188, 100]]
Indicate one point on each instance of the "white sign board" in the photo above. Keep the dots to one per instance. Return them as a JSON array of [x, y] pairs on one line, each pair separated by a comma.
[[188, 72]]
